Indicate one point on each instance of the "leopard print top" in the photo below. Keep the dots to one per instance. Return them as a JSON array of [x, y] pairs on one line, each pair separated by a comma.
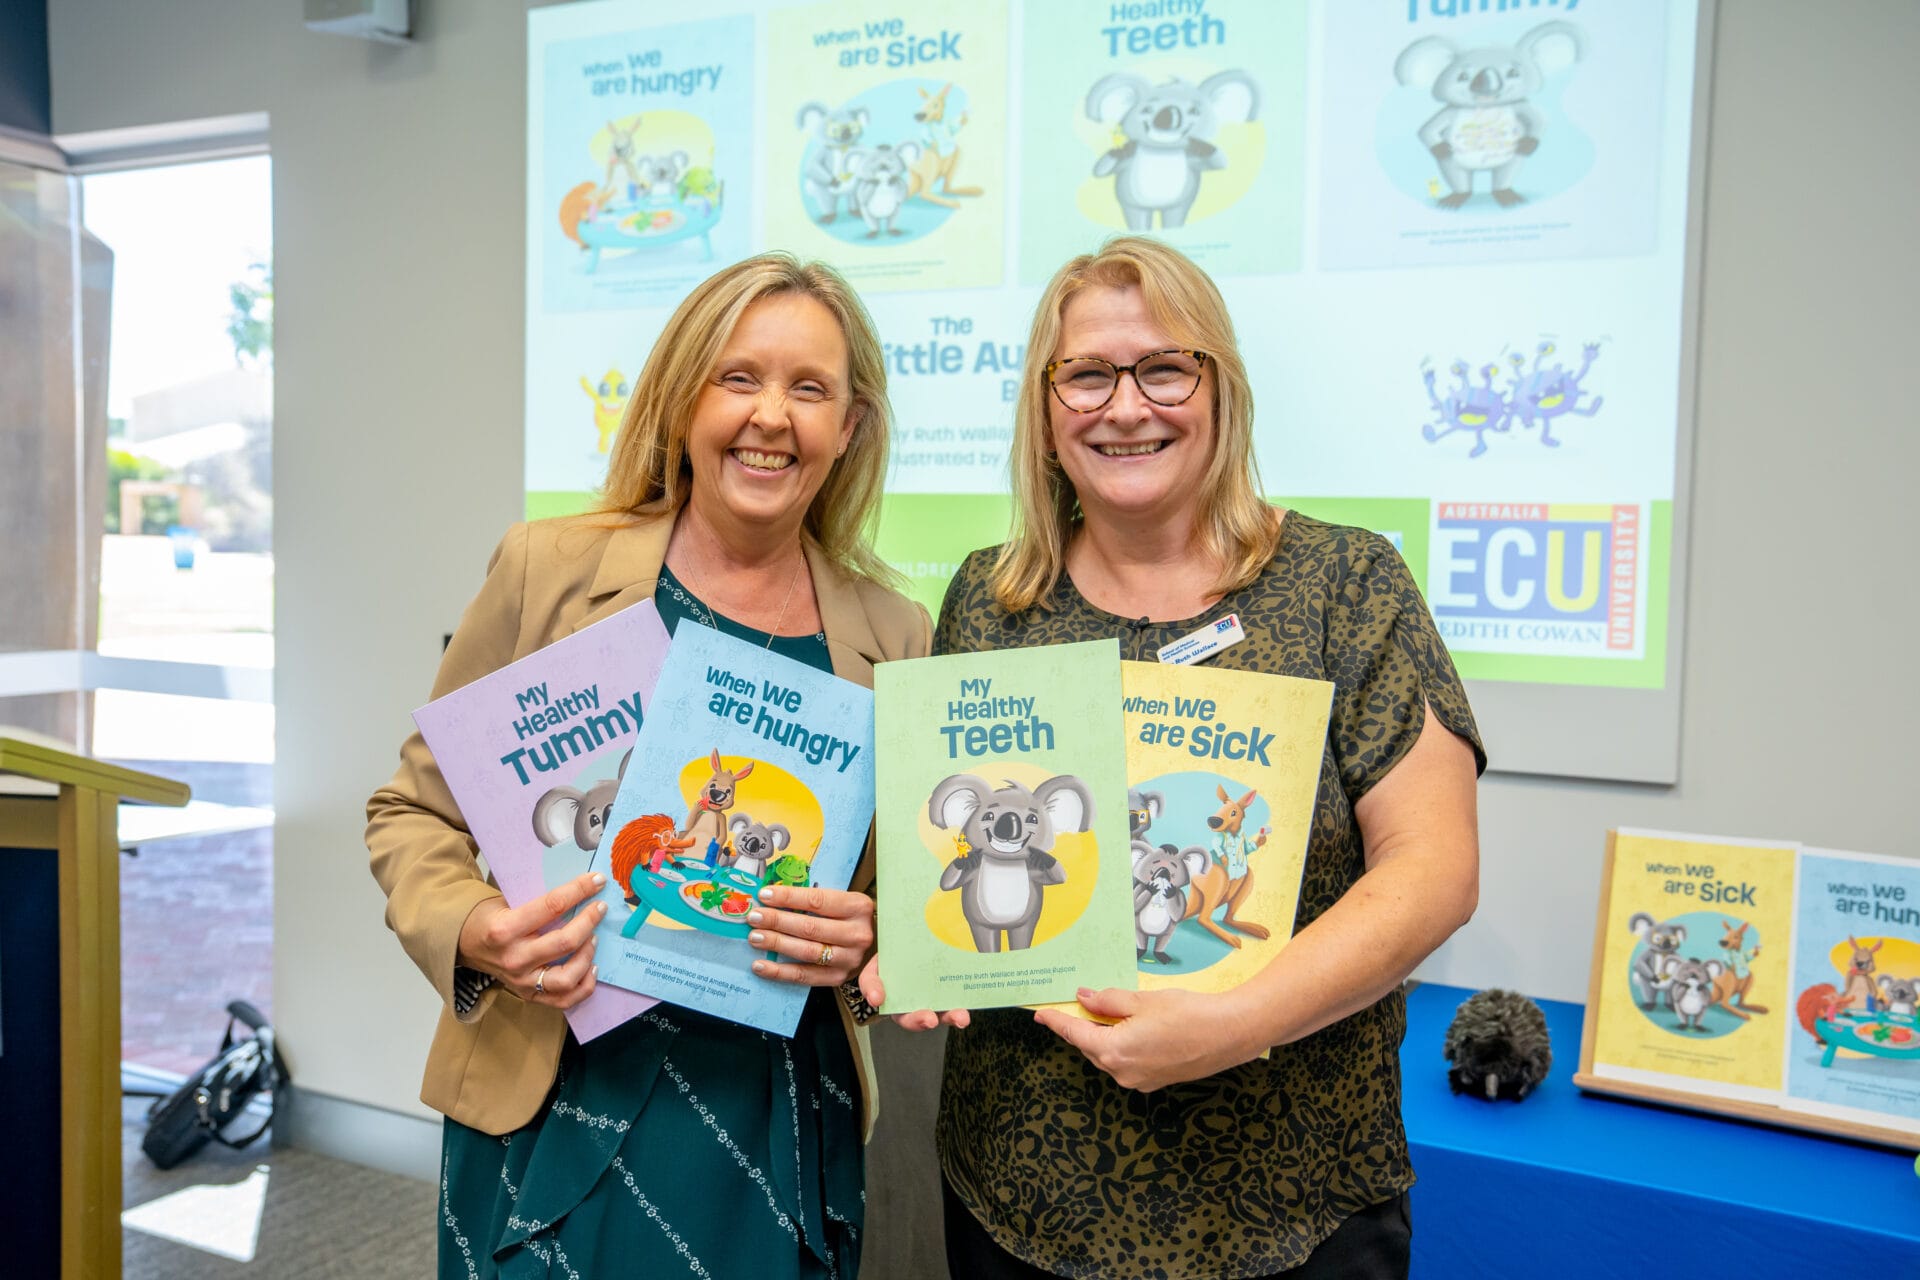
[[1243, 1173]]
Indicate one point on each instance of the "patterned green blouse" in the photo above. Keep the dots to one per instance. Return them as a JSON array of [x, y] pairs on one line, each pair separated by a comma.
[[1242, 1173]]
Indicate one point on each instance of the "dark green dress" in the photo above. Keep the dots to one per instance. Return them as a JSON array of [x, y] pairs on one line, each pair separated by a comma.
[[1242, 1173], [676, 1144]]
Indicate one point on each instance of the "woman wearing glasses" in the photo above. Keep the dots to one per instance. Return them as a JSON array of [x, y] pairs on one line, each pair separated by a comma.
[[1164, 1144]]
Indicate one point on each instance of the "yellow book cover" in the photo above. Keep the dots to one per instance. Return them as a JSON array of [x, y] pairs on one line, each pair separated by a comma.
[[1694, 954], [1222, 767]]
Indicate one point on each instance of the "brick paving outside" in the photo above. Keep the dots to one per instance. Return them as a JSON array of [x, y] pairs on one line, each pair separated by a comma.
[[196, 924]]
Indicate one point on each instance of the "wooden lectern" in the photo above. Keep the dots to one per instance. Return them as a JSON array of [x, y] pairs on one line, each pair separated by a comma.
[[60, 1005]]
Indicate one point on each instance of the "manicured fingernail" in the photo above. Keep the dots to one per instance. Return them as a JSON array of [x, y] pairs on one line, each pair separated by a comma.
[[755, 917], [599, 909], [596, 973], [761, 966], [599, 881], [593, 940], [1084, 992], [757, 939], [767, 894]]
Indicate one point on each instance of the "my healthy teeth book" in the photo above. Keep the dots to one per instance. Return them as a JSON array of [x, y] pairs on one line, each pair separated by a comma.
[[533, 754], [751, 769], [1001, 827]]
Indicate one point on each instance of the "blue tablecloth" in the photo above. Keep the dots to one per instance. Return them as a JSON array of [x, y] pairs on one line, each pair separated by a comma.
[[1567, 1184]]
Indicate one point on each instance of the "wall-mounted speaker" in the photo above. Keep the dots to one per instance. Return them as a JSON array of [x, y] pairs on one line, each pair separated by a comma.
[[390, 21]]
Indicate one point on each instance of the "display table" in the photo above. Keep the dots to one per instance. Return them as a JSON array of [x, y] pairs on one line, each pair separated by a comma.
[[1567, 1184]]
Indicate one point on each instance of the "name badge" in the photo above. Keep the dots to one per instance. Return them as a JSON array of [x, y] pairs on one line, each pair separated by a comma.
[[1204, 643]]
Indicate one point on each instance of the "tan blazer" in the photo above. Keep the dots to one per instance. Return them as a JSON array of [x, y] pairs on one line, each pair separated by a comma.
[[491, 1068]]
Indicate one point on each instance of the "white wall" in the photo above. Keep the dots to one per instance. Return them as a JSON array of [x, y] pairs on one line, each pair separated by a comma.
[[398, 234]]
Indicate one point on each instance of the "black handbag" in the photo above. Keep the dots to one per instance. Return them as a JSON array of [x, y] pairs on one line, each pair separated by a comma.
[[212, 1098]]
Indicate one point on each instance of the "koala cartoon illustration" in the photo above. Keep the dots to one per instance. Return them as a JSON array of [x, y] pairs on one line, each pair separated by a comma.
[[660, 177], [1159, 876], [754, 844], [1486, 122], [880, 184], [567, 813], [1168, 138], [1690, 990], [1653, 966], [1003, 875], [827, 174], [1897, 995], [1143, 807]]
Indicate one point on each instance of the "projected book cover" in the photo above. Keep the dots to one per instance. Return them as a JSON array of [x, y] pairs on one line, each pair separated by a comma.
[[752, 769], [1001, 827], [1528, 132], [533, 754], [1190, 127], [886, 140]]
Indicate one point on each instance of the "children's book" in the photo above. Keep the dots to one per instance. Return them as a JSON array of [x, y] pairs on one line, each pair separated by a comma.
[[1001, 827], [533, 754], [751, 769], [1759, 978]]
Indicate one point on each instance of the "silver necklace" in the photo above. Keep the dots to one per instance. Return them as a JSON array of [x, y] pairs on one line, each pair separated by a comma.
[[792, 582]]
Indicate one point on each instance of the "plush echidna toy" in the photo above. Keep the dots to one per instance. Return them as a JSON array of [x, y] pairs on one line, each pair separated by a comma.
[[1498, 1046]]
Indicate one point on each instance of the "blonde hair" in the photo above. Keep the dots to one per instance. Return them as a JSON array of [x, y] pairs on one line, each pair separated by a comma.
[[649, 471], [1233, 522]]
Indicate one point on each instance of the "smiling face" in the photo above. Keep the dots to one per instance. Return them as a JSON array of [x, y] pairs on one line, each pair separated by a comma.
[[1131, 459], [774, 412]]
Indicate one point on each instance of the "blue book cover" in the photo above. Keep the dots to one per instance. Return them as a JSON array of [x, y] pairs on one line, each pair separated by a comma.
[[750, 769]]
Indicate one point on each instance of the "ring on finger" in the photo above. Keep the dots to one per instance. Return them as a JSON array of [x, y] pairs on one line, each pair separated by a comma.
[[826, 955], [540, 981]]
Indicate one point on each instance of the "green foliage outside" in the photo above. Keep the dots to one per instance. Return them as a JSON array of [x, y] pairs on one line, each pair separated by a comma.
[[156, 511]]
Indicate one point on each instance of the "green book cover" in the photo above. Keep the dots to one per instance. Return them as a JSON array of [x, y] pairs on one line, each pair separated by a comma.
[[1001, 824]]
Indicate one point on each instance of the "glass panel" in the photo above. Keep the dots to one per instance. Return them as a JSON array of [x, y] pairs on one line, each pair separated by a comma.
[[52, 438]]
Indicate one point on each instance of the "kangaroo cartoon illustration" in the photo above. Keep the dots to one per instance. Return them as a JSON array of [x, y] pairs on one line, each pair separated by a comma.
[[1228, 877], [707, 820], [1160, 876], [754, 845], [1163, 139], [880, 185], [1690, 991], [827, 175], [1737, 979], [1652, 967], [620, 155], [939, 151], [1860, 993], [1009, 832], [1485, 122]]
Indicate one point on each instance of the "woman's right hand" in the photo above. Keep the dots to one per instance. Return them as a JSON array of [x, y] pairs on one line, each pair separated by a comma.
[[538, 964], [921, 1019]]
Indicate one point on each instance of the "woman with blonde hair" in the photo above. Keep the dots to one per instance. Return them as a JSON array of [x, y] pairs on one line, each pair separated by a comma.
[[740, 494], [1165, 1143]]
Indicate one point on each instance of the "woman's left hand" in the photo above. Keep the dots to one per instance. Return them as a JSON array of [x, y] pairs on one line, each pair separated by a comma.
[[826, 935], [1160, 1038]]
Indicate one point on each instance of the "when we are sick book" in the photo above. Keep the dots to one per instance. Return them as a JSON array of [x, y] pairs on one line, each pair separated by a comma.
[[1760, 978], [751, 769], [1001, 827], [533, 755]]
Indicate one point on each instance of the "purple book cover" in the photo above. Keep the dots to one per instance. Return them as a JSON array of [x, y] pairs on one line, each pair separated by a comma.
[[533, 754]]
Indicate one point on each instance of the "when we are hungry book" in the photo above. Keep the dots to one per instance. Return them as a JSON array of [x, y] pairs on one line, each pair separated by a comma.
[[1001, 827], [751, 769], [533, 755]]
